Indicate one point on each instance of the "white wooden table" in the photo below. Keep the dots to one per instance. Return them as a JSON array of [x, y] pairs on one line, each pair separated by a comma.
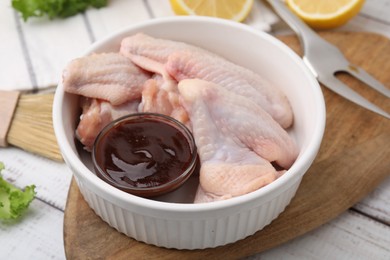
[[32, 56]]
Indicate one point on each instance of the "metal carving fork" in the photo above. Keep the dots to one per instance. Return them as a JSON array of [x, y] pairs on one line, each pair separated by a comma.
[[324, 60]]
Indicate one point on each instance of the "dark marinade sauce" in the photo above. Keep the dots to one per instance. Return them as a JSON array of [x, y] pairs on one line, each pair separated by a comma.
[[143, 153]]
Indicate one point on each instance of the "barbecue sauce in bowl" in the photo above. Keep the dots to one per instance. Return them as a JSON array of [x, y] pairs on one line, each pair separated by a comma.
[[145, 154]]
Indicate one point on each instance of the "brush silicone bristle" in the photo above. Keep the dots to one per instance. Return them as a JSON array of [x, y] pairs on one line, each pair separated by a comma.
[[32, 126]]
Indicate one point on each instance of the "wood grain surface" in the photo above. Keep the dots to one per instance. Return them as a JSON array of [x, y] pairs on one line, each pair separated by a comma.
[[352, 161]]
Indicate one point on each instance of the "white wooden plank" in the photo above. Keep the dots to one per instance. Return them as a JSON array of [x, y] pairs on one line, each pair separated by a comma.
[[61, 40], [160, 8], [37, 235], [377, 204], [117, 15], [361, 23], [350, 236], [377, 9], [51, 178], [261, 17], [13, 69]]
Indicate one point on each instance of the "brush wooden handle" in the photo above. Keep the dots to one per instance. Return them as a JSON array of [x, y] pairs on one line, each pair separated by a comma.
[[8, 102]]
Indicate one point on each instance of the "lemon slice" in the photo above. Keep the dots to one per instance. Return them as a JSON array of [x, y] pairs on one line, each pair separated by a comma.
[[325, 14], [236, 10]]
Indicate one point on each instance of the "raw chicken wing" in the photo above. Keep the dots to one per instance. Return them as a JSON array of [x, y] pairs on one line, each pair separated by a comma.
[[185, 61], [156, 49], [96, 114], [236, 141], [241, 81], [107, 76]]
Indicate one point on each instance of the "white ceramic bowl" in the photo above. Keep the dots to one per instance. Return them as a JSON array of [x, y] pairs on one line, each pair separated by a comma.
[[196, 226]]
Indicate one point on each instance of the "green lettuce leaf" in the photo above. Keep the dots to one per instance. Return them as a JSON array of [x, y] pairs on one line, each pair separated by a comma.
[[54, 8], [13, 201]]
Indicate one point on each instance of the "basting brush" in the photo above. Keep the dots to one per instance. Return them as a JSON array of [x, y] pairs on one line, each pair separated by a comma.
[[26, 122]]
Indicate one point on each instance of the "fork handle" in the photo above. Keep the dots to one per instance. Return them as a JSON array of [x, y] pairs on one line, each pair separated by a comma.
[[305, 34]]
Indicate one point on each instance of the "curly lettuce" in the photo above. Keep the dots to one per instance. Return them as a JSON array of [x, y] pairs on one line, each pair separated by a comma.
[[13, 201], [54, 8]]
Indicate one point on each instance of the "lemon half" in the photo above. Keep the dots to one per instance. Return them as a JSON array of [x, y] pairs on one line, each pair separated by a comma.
[[236, 10], [325, 14]]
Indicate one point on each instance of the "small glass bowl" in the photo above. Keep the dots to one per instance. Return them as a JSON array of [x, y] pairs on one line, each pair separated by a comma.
[[138, 122]]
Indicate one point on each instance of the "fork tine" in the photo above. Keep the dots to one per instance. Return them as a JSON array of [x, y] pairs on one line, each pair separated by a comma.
[[362, 75], [343, 90]]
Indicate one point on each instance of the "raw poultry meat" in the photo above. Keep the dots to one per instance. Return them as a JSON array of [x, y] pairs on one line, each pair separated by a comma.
[[237, 117], [96, 114], [141, 44], [159, 94], [156, 99], [107, 76], [183, 61], [236, 141], [189, 65]]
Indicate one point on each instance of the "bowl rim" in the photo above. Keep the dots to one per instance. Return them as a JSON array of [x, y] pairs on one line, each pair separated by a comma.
[[296, 171]]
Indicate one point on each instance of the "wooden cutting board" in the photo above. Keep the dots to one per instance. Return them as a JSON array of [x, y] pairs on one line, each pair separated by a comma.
[[353, 159]]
